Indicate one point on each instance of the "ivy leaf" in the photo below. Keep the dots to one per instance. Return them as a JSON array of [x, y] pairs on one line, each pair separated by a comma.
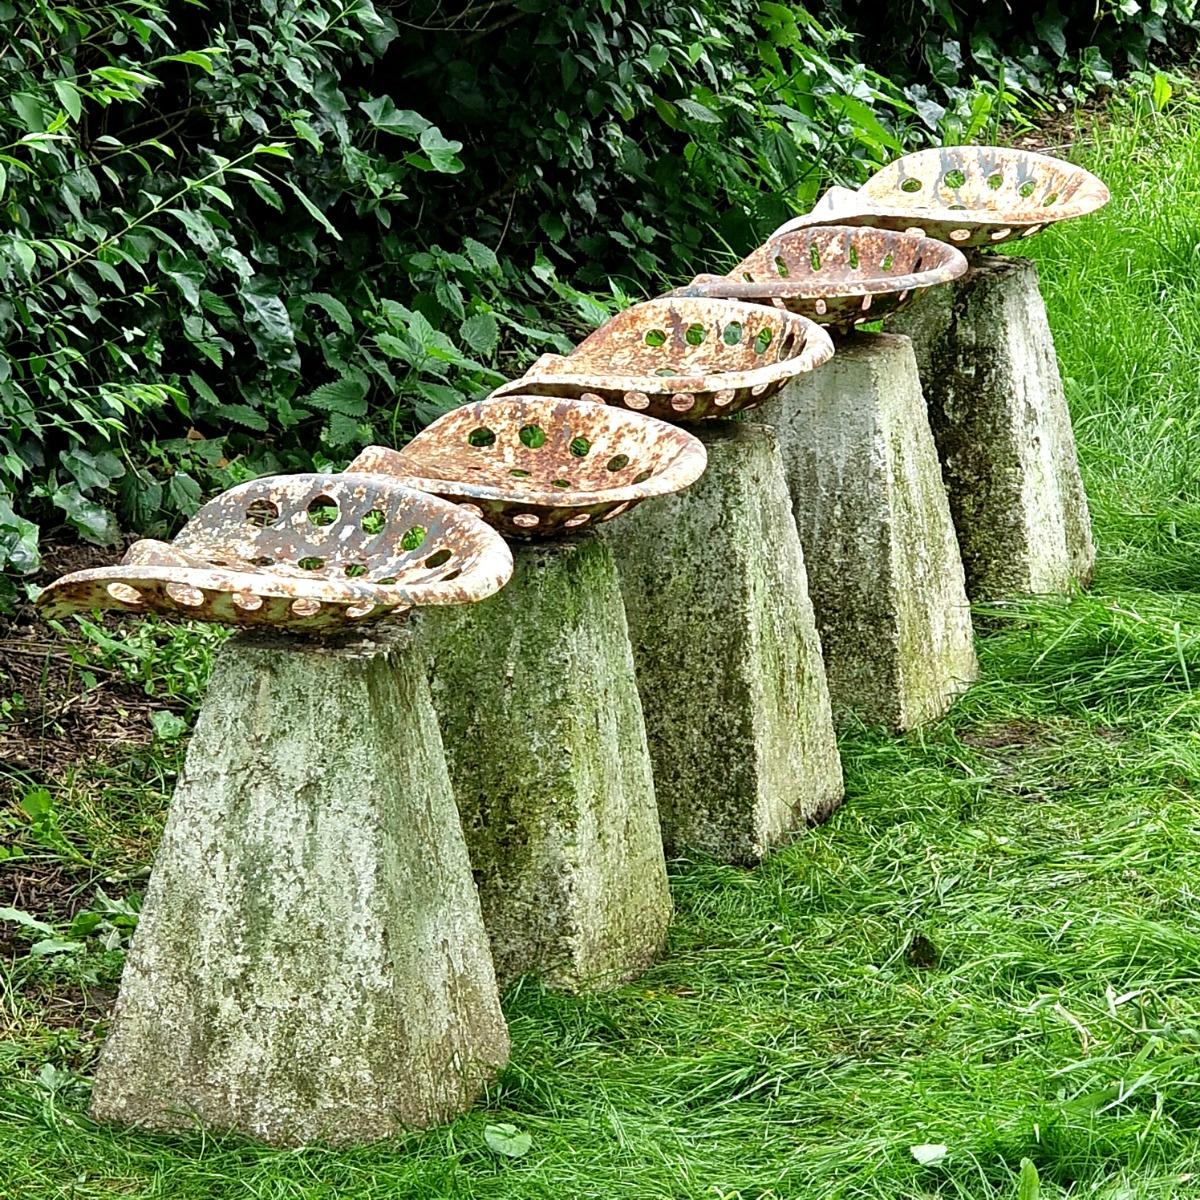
[[507, 1140], [93, 470], [387, 117], [93, 522], [18, 540], [268, 323], [442, 152], [1049, 26], [480, 332]]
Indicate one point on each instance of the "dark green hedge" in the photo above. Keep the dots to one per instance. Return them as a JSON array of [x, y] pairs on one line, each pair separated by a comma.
[[237, 238]]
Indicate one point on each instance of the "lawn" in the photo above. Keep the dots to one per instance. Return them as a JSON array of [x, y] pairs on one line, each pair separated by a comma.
[[992, 948]]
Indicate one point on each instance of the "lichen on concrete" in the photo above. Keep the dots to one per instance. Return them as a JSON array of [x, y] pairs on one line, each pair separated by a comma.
[[883, 563], [729, 662], [311, 963], [996, 405], [547, 749]]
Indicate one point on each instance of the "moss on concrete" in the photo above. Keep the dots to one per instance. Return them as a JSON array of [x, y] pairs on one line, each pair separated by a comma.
[[311, 962], [729, 663], [547, 750], [883, 564], [1003, 431]]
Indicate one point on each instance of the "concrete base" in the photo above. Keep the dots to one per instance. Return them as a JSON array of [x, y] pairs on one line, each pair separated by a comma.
[[547, 750], [311, 963], [996, 404], [883, 564], [729, 663]]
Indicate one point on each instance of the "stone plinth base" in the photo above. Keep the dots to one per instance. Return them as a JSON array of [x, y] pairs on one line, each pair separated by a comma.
[[883, 564], [729, 663], [996, 404], [311, 963], [547, 750]]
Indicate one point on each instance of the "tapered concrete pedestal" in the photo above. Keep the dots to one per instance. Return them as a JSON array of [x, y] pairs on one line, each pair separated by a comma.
[[883, 564], [729, 663], [311, 962], [547, 750], [996, 405]]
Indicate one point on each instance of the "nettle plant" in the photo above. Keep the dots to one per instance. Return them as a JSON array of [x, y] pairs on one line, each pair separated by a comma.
[[195, 215]]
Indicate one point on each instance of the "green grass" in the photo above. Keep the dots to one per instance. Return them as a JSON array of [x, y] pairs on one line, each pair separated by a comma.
[[995, 944]]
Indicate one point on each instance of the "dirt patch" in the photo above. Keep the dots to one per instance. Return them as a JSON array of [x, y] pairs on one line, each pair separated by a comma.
[[57, 704], [74, 1008], [49, 891], [1009, 735]]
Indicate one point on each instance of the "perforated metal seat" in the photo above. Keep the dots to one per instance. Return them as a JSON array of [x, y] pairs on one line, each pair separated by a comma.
[[535, 466], [313, 553], [968, 196], [836, 275], [682, 359]]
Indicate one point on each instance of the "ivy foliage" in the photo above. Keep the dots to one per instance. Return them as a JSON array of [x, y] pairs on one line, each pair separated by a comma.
[[245, 237]]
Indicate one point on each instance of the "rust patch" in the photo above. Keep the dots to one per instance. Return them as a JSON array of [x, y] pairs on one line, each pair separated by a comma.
[[309, 553], [836, 275], [969, 196], [536, 466], [682, 359]]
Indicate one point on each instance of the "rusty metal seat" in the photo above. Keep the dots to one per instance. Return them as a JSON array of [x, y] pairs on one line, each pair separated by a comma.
[[969, 196], [312, 553], [682, 359], [836, 275], [536, 466]]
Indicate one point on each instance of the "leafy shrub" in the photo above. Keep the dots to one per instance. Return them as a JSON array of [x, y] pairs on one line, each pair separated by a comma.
[[1071, 44], [252, 236], [179, 310]]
